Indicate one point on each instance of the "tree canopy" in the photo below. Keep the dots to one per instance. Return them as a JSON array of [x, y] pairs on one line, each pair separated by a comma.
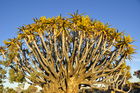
[[67, 54]]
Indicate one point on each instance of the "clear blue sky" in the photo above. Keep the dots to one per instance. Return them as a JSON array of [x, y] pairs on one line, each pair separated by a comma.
[[121, 14]]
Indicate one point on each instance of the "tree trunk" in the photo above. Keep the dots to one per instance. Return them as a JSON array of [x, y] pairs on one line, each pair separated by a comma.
[[72, 85]]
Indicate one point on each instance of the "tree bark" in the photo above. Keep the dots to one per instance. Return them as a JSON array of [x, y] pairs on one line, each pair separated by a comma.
[[72, 85]]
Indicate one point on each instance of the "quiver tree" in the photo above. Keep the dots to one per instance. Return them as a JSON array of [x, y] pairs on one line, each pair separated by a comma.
[[64, 55]]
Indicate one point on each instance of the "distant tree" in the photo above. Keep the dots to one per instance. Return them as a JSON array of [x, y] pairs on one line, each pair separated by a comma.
[[65, 55], [137, 74], [2, 77]]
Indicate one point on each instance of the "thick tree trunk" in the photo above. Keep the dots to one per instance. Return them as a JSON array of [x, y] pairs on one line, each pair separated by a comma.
[[72, 86]]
